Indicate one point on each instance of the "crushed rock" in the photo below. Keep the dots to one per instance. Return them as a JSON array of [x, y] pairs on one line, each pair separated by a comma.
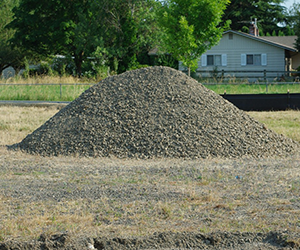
[[154, 112]]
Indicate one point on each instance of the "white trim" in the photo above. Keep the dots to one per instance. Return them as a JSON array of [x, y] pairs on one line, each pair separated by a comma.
[[263, 59], [224, 59], [203, 60], [243, 59]]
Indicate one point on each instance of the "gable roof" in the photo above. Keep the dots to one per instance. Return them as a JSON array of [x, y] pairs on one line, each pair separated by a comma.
[[284, 40], [281, 42]]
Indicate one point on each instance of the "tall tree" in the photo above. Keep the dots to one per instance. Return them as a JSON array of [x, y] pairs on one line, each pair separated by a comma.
[[269, 14], [8, 55], [294, 18], [130, 29], [79, 28], [65, 27], [191, 28]]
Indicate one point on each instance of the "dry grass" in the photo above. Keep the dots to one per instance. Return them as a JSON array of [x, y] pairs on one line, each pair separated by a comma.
[[264, 199], [202, 195], [282, 122], [45, 79], [17, 122]]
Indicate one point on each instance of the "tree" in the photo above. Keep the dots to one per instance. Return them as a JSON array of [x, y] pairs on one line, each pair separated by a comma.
[[131, 30], [71, 28], [79, 28], [269, 14], [294, 18], [8, 55], [191, 28]]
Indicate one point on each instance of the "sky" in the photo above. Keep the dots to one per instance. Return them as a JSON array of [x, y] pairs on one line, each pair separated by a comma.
[[289, 3]]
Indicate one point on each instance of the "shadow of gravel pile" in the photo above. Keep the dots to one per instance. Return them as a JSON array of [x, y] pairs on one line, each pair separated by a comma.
[[167, 240], [154, 112]]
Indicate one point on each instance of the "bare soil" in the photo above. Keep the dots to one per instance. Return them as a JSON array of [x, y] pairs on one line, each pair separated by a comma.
[[109, 203]]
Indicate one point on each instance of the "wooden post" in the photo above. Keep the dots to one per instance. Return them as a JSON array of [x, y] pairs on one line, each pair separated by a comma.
[[265, 79], [60, 90]]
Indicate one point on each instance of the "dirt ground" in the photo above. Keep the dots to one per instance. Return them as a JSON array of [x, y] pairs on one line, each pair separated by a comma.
[[106, 203]]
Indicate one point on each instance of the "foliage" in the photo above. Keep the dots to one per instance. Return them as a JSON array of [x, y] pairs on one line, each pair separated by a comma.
[[131, 31], [268, 12], [57, 27], [191, 28], [8, 56], [296, 23], [78, 29], [166, 60]]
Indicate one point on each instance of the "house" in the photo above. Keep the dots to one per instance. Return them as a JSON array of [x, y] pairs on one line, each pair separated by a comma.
[[290, 42], [238, 53]]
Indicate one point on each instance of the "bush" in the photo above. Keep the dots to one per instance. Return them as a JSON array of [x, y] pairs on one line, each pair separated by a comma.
[[63, 65]]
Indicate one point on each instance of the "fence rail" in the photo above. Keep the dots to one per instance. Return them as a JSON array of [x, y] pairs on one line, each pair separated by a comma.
[[257, 74]]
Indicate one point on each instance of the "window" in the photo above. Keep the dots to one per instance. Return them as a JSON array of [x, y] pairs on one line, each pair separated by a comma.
[[214, 60], [254, 59]]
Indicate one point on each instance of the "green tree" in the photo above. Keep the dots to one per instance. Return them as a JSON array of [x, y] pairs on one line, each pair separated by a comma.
[[79, 28], [131, 30], [191, 28], [71, 28], [294, 18], [8, 55], [269, 14]]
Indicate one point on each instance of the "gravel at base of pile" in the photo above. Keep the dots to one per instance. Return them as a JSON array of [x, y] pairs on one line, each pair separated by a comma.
[[154, 112]]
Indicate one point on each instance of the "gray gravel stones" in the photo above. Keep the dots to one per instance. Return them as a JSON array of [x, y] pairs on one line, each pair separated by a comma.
[[154, 112]]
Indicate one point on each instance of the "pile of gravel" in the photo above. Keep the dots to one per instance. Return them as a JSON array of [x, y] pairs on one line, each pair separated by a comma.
[[154, 112]]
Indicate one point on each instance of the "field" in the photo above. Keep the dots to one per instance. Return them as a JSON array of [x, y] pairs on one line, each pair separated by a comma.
[[110, 203]]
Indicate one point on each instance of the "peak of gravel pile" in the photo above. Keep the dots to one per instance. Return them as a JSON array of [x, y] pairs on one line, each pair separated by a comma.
[[154, 112]]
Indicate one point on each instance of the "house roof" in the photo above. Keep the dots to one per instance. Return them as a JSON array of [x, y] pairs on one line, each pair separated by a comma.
[[285, 42], [153, 52]]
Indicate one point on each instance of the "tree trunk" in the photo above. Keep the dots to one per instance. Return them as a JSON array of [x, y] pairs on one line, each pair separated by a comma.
[[189, 71], [78, 63]]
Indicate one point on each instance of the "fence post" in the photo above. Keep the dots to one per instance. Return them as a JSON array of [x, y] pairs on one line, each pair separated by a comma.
[[60, 90], [288, 99], [265, 79]]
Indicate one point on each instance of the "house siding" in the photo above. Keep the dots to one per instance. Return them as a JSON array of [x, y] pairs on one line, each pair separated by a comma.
[[238, 45]]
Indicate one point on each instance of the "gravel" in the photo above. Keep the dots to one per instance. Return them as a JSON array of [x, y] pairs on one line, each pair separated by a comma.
[[155, 112]]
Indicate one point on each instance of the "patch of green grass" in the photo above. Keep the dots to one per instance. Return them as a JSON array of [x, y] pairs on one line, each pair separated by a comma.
[[272, 88], [35, 92], [3, 126]]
